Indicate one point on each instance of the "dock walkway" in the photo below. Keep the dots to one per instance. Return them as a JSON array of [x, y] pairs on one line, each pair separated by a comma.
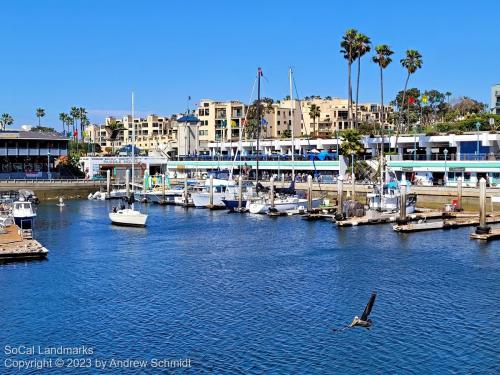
[[14, 246]]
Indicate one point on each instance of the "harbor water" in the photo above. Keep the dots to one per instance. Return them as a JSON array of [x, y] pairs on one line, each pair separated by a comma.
[[250, 294]]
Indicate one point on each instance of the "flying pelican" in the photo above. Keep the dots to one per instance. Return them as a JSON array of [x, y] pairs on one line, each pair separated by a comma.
[[364, 321]]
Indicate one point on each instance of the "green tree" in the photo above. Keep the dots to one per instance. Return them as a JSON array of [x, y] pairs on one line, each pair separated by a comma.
[[382, 58], [5, 120], [411, 63], [251, 128], [75, 115], [348, 49], [314, 113], [362, 47], [351, 143], [82, 115], [40, 112]]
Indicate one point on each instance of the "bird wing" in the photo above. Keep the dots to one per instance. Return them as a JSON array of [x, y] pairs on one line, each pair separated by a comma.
[[369, 306]]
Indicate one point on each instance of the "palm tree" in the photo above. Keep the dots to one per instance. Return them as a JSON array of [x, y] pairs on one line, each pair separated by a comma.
[[5, 120], [62, 118], [411, 63], [362, 46], [314, 113], [82, 116], [382, 59], [40, 112], [348, 45], [75, 115], [448, 94]]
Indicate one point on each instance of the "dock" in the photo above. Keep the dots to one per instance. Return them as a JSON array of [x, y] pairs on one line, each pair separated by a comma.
[[444, 224], [494, 234], [16, 244], [387, 218]]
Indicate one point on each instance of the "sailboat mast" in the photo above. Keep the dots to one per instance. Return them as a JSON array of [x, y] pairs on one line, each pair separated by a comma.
[[259, 74], [292, 105], [133, 149]]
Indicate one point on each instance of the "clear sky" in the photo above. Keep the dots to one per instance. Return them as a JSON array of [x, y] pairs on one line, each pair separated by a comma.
[[93, 53]]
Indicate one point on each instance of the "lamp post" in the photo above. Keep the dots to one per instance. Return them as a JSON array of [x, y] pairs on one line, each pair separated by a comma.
[[478, 126], [415, 142], [445, 151], [48, 164]]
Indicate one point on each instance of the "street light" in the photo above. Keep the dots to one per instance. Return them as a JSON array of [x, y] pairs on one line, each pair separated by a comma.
[[478, 126], [445, 151]]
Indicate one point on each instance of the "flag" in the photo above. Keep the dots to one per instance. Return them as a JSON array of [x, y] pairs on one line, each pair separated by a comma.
[[233, 123], [259, 72], [411, 100], [189, 98], [263, 122], [424, 99], [75, 134], [245, 122]]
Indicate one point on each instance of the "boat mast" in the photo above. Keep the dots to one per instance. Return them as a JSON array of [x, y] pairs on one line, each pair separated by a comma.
[[292, 105], [133, 149], [259, 74]]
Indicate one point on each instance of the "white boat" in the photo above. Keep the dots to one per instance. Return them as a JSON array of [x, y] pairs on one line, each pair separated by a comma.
[[156, 195], [23, 214], [390, 200], [61, 202], [221, 187], [281, 204], [129, 216]]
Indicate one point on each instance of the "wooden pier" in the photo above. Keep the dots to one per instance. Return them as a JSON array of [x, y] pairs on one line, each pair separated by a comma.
[[444, 224], [18, 244], [387, 218]]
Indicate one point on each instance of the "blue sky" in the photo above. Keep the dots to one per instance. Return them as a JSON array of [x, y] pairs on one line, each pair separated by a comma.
[[58, 54]]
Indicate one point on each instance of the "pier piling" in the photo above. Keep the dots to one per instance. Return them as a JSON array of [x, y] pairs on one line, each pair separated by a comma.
[[272, 193], [186, 200], [459, 194], [340, 198], [163, 186], [402, 206], [240, 192], [482, 228], [309, 192], [211, 190], [108, 182]]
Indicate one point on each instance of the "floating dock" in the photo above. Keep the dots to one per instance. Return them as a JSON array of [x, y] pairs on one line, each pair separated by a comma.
[[387, 218], [494, 234], [444, 224], [16, 244]]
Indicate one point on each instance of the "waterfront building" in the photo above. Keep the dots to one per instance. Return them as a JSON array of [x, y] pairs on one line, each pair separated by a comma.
[[495, 99], [439, 159], [30, 154]]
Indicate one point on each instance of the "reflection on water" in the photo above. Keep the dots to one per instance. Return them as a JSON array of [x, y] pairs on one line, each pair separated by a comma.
[[249, 294]]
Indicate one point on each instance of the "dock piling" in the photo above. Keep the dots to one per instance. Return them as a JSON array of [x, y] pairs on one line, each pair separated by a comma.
[[309, 192], [163, 186], [402, 206], [108, 182], [211, 190], [459, 194], [186, 200], [482, 228], [340, 198], [272, 192], [240, 192]]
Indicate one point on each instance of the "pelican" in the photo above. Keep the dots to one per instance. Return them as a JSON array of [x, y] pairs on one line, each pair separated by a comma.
[[364, 321]]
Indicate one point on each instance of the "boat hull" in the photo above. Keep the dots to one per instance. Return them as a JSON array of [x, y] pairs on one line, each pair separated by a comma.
[[202, 200], [128, 217], [232, 204], [26, 222]]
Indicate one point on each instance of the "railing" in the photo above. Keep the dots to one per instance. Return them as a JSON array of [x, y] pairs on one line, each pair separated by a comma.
[[52, 181], [448, 157], [266, 157]]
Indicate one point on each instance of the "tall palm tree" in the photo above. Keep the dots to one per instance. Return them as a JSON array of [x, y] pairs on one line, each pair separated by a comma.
[[411, 63], [382, 59], [448, 94], [75, 115], [362, 46], [62, 118], [348, 49], [82, 116], [40, 112], [5, 120], [314, 112]]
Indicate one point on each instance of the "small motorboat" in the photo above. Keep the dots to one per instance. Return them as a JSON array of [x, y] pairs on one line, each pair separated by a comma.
[[23, 213]]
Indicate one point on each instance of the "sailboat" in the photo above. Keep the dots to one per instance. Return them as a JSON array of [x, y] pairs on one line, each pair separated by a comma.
[[129, 216]]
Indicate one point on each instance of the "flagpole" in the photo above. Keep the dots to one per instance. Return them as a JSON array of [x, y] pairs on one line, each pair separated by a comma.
[[259, 74]]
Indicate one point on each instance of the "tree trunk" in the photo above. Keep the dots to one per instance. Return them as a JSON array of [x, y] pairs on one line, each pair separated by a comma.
[[357, 93], [349, 98], [401, 109], [382, 122]]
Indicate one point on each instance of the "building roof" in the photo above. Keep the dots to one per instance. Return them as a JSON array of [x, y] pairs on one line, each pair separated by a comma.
[[19, 134]]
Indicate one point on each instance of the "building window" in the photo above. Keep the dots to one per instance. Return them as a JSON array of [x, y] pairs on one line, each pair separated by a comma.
[[278, 122]]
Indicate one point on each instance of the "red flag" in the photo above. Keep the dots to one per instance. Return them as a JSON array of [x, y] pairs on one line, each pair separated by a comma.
[[411, 100], [259, 72], [75, 134]]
